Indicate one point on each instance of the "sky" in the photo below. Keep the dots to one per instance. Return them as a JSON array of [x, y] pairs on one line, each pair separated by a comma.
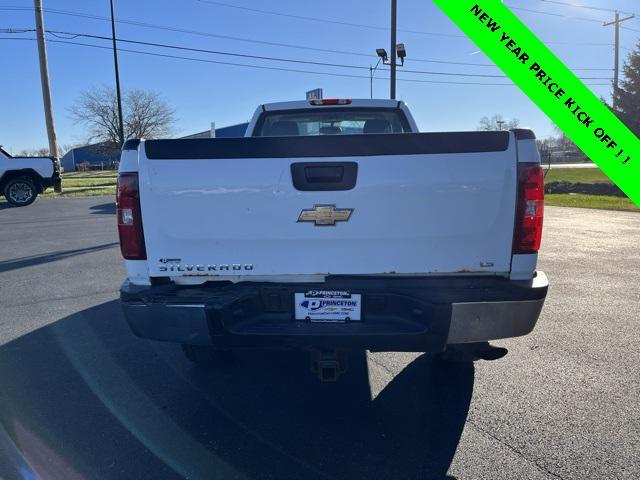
[[202, 92]]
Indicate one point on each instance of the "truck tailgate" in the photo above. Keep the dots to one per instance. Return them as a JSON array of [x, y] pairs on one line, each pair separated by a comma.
[[429, 203]]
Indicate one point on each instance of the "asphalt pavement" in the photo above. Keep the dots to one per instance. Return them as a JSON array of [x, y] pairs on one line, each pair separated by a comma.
[[82, 398]]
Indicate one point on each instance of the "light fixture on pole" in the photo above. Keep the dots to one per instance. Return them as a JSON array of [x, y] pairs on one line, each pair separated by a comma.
[[402, 52], [383, 56]]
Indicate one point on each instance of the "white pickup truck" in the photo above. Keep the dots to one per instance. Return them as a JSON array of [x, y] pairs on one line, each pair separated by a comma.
[[332, 225], [23, 178]]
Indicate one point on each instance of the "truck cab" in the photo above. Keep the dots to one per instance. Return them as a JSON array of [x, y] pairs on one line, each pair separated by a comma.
[[331, 117]]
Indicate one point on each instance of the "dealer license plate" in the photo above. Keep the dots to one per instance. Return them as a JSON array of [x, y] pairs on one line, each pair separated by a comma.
[[328, 306]]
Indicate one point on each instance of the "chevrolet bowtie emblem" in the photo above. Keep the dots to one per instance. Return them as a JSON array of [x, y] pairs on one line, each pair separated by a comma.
[[324, 215]]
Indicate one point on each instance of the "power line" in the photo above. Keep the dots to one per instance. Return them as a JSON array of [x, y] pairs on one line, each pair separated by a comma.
[[552, 14], [575, 18], [197, 32], [72, 35], [279, 44], [264, 67], [323, 20], [240, 39], [277, 59], [487, 76], [255, 10], [299, 17], [376, 27], [586, 7], [17, 30]]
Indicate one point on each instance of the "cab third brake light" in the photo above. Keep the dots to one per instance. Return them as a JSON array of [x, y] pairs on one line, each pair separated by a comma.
[[330, 101]]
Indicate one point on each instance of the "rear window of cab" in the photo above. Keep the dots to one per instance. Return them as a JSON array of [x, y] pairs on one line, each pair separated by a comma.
[[331, 121]]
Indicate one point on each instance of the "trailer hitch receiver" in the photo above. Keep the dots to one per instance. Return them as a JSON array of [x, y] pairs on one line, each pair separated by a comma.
[[328, 364]]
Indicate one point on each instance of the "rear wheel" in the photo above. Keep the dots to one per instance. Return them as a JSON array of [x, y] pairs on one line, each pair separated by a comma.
[[205, 355], [20, 191]]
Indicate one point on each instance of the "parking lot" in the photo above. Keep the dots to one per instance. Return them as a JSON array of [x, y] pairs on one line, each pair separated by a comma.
[[81, 397]]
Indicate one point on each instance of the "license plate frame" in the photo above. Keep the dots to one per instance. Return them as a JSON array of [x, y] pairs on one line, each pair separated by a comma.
[[328, 306]]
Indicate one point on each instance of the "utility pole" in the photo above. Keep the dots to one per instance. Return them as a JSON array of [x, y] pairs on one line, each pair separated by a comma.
[[394, 12], [44, 79], [616, 60], [115, 64], [500, 123]]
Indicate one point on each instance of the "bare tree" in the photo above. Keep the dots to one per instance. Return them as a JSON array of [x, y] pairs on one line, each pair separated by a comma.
[[146, 115], [544, 147], [64, 149], [563, 149], [34, 152], [560, 141], [44, 151], [497, 122]]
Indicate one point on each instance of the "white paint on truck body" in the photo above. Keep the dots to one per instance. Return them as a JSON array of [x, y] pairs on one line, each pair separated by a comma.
[[425, 214], [43, 166], [412, 214]]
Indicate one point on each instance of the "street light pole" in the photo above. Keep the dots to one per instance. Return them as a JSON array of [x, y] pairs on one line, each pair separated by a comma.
[[394, 11], [115, 64], [370, 81], [371, 72]]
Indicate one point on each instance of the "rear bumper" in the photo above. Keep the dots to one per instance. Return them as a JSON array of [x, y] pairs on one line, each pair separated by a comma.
[[399, 314]]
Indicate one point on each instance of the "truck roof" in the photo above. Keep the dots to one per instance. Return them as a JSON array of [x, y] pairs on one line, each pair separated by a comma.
[[355, 102]]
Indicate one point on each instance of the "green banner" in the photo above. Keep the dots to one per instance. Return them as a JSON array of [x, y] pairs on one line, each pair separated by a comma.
[[579, 113]]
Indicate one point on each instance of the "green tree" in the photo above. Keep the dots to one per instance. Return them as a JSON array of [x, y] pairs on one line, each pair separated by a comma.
[[628, 94]]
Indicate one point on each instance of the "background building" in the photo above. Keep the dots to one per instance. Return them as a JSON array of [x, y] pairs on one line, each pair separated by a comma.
[[103, 156], [224, 132], [96, 156]]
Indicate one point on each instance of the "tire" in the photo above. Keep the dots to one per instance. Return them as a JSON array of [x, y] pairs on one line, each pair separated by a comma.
[[20, 191], [203, 355]]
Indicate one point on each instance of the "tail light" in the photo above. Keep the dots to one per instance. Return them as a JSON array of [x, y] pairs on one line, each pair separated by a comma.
[[130, 218], [529, 209], [330, 101]]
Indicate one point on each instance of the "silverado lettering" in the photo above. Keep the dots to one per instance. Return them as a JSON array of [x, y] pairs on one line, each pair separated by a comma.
[[205, 268]]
